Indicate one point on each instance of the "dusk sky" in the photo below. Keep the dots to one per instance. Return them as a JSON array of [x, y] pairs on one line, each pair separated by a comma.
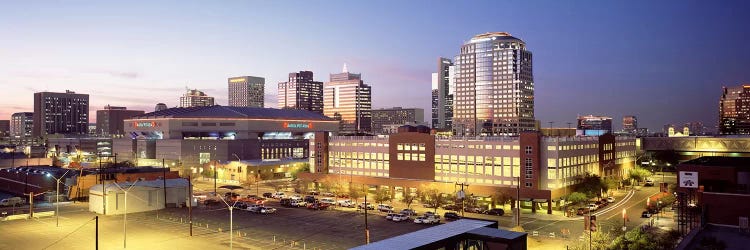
[[663, 61]]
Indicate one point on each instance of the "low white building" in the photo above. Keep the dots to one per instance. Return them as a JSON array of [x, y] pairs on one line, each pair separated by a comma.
[[143, 196]]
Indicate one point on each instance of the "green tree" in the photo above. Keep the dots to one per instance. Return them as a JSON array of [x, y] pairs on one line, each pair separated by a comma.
[[636, 239], [408, 198], [356, 192], [501, 196], [382, 195], [599, 240], [591, 185], [577, 197], [638, 174], [301, 186], [302, 168]]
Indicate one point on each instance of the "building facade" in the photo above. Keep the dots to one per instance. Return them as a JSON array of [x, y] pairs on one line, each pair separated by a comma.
[[4, 128], [629, 124], [301, 92], [395, 116], [21, 124], [442, 94], [593, 125], [247, 91], [219, 133], [60, 113], [494, 86], [734, 110], [543, 167], [195, 98], [348, 99], [110, 121]]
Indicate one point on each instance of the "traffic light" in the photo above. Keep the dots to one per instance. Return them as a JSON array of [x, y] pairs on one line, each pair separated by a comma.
[[592, 223]]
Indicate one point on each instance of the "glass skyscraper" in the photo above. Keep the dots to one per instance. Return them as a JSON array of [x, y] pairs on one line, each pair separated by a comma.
[[494, 86]]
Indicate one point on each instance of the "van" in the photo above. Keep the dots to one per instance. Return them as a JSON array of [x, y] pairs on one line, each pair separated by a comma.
[[13, 201]]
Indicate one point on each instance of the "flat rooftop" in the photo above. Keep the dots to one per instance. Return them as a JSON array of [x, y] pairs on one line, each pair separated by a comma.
[[217, 111], [720, 161]]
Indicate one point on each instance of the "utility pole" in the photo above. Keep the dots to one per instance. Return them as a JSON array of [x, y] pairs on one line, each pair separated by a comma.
[[164, 180], [462, 195], [190, 203], [518, 201], [367, 229], [96, 233]]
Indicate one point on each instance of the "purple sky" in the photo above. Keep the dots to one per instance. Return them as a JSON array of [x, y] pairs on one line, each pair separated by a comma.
[[664, 62]]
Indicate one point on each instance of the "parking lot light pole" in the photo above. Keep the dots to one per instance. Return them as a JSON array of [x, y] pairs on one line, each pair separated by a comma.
[[231, 220], [125, 214], [57, 197]]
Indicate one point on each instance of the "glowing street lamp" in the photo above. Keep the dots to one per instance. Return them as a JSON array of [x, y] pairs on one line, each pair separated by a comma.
[[57, 196], [624, 215]]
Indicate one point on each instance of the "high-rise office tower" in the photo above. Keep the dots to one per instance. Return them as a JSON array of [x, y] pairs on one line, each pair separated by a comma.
[[60, 113], [110, 121], [442, 94], [629, 123], [396, 116], [734, 110], [246, 91], [301, 92], [195, 98], [160, 107], [21, 124], [347, 98], [494, 86]]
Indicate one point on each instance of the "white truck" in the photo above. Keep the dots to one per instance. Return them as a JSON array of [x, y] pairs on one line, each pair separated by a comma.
[[13, 201], [427, 219]]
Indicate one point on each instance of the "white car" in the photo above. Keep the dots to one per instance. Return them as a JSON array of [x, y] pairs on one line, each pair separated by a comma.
[[299, 203], [400, 217], [13, 201], [295, 197], [427, 220], [593, 207], [267, 210], [345, 203], [328, 201], [389, 216], [610, 199], [255, 208], [278, 195], [384, 208]]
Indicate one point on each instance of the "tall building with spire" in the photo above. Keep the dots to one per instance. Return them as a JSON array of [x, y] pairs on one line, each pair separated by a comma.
[[301, 92], [494, 88], [347, 98]]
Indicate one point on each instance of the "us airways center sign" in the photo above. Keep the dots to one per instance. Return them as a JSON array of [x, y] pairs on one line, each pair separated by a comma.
[[297, 125]]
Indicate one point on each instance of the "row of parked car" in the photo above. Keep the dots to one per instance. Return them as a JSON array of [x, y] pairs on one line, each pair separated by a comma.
[[478, 210], [595, 206], [255, 208]]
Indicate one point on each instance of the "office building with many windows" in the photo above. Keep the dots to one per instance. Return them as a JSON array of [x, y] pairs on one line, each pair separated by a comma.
[[348, 99], [442, 94], [195, 98], [60, 113], [629, 124], [247, 91], [734, 110], [494, 86], [21, 124], [382, 118], [110, 120], [543, 167], [301, 92]]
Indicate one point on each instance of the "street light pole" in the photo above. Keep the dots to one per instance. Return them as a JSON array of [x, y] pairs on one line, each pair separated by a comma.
[[125, 214], [57, 197]]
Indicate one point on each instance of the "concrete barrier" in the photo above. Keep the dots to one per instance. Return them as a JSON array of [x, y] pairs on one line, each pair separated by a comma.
[[44, 214], [16, 217]]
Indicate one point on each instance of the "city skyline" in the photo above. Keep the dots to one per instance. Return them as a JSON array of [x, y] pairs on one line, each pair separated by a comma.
[[587, 61]]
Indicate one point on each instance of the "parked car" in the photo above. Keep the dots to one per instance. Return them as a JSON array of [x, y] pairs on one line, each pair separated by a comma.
[[240, 205], [369, 206], [298, 203], [286, 202], [327, 194], [649, 183], [582, 211], [451, 216], [496, 211], [254, 208], [646, 214], [318, 206], [267, 210], [593, 207], [389, 216], [452, 207], [409, 212], [310, 199], [278, 195], [385, 208], [400, 217], [474, 209], [295, 197], [427, 220], [267, 195], [610, 199], [345, 203], [600, 204], [12, 201], [328, 201]]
